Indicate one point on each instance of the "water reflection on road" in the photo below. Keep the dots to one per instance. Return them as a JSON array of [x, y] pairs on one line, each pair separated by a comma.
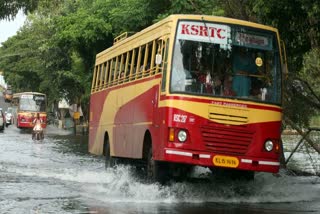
[[59, 176]]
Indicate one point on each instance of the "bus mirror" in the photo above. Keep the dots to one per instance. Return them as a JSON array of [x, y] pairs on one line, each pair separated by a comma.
[[158, 59], [285, 71], [284, 59]]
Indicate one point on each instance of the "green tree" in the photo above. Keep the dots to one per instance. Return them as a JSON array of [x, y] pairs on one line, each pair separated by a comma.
[[298, 25], [55, 51], [19, 60], [10, 8], [311, 69]]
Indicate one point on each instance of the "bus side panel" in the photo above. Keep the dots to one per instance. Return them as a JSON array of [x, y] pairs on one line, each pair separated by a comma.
[[96, 107], [160, 134], [126, 113], [133, 119]]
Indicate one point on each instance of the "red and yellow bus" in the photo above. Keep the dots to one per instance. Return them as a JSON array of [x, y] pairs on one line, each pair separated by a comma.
[[26, 106], [190, 90]]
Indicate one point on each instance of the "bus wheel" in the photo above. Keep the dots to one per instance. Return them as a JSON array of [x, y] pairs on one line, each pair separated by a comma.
[[156, 171], [109, 160]]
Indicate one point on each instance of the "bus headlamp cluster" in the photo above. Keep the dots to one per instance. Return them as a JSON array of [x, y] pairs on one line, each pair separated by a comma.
[[182, 136], [268, 145]]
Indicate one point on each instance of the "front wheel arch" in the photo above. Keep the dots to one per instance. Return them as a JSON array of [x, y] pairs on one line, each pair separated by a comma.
[[155, 171]]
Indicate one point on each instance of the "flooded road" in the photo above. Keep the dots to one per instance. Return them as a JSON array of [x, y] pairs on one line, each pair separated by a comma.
[[59, 176]]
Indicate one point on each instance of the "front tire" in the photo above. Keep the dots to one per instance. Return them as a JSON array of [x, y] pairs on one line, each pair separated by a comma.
[[157, 171]]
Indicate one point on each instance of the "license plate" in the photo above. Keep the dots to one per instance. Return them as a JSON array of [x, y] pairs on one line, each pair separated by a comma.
[[225, 161]]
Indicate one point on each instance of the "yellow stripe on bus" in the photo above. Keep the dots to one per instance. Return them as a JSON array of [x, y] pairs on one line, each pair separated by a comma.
[[220, 113], [116, 99]]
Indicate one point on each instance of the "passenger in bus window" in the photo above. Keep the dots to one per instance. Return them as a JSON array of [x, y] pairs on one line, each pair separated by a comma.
[[256, 85], [217, 85], [243, 66], [227, 87], [205, 82], [121, 79], [201, 80], [208, 82], [147, 69]]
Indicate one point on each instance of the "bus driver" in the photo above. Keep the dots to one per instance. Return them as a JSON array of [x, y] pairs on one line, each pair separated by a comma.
[[243, 66]]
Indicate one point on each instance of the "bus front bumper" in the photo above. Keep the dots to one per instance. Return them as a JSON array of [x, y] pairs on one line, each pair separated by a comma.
[[221, 160], [30, 125]]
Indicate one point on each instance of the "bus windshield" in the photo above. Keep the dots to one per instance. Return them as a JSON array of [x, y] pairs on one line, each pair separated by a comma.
[[226, 61], [34, 103]]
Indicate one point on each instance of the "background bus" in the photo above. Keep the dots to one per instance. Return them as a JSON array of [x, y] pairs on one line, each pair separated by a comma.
[[7, 95], [26, 106], [190, 90]]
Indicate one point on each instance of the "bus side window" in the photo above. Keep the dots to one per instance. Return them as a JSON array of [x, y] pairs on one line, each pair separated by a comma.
[[159, 51], [97, 78], [106, 76], [121, 67], [93, 85], [153, 53], [144, 56], [126, 66], [110, 72], [101, 77], [115, 70], [147, 59], [138, 62], [132, 65]]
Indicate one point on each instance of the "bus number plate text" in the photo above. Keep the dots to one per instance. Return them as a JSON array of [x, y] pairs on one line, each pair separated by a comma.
[[225, 161], [179, 118]]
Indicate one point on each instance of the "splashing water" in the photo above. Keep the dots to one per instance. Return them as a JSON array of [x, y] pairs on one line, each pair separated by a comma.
[[51, 170]]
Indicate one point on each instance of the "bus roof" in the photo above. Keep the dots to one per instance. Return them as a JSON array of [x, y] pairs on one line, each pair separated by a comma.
[[29, 92], [153, 31]]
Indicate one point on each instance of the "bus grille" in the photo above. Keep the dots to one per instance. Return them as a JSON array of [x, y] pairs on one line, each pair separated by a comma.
[[228, 115], [226, 140]]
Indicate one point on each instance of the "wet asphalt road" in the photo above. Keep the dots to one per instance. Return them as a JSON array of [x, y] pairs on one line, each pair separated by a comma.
[[59, 176]]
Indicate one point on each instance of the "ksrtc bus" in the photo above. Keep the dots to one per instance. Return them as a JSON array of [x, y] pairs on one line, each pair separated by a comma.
[[26, 106], [190, 90]]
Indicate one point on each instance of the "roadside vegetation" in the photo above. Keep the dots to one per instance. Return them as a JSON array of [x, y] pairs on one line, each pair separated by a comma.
[[54, 51]]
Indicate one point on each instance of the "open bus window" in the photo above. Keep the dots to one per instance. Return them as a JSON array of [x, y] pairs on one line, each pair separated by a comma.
[[242, 63]]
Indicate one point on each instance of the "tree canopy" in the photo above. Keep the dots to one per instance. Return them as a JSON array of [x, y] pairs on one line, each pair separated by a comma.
[[10, 8], [54, 52]]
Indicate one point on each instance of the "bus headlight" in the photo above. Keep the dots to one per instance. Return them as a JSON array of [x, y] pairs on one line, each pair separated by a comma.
[[268, 145], [182, 136]]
